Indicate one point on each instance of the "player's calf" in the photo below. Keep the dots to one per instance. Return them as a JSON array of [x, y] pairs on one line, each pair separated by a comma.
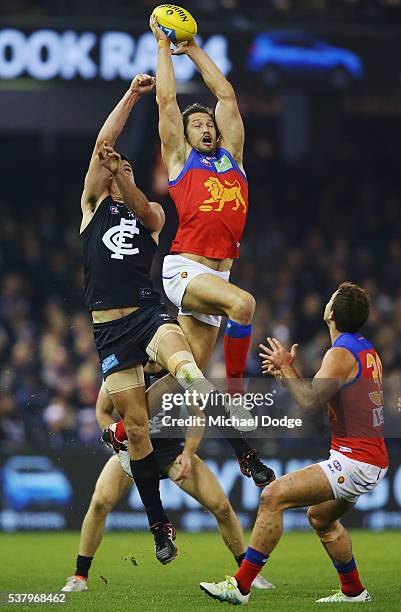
[[338, 544], [237, 339]]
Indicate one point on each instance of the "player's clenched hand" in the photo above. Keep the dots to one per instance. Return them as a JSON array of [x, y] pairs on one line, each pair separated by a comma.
[[109, 158], [143, 84], [276, 356], [157, 31], [185, 461]]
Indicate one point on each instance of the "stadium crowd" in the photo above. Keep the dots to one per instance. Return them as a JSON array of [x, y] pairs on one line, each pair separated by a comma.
[[309, 228]]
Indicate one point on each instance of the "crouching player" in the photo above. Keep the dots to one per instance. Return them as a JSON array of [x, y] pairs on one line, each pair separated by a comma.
[[115, 481], [350, 382]]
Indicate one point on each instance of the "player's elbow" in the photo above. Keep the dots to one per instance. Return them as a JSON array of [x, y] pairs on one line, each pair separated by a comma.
[[310, 405], [166, 101], [226, 92]]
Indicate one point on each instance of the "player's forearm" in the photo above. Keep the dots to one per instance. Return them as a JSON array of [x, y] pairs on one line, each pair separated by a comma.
[[213, 77], [104, 419], [166, 90], [193, 439], [303, 391], [104, 408], [132, 197], [115, 122]]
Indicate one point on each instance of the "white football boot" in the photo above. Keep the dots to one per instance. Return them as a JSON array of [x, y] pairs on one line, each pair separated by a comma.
[[225, 591], [261, 582], [339, 597], [242, 419], [75, 585]]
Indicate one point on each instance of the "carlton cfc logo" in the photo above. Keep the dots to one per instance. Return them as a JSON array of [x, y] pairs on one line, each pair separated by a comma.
[[116, 239]]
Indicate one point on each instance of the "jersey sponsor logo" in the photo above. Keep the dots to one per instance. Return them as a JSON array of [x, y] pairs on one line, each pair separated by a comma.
[[378, 417], [109, 362], [114, 210], [337, 465], [221, 194], [206, 161], [223, 164], [117, 239]]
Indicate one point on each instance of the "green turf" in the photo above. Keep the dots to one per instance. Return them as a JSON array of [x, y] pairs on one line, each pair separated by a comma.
[[299, 568]]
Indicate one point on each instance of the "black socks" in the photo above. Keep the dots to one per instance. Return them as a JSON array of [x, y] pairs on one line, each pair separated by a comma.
[[239, 559], [83, 566], [146, 477]]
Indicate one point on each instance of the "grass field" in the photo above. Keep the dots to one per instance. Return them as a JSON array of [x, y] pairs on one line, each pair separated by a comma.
[[299, 568]]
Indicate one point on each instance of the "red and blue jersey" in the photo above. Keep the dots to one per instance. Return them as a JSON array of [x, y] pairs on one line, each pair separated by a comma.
[[211, 197], [356, 412]]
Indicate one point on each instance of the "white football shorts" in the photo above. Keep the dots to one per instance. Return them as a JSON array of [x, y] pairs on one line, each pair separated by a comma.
[[350, 479], [178, 271]]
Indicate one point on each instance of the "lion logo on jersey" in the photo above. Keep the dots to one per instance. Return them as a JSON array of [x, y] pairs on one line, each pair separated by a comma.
[[221, 194]]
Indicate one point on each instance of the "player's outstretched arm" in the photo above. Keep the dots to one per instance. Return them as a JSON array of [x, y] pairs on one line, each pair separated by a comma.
[[171, 128], [97, 177], [150, 214], [338, 367], [227, 114], [115, 122]]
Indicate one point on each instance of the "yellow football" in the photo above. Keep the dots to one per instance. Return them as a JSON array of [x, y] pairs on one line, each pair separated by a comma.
[[176, 22]]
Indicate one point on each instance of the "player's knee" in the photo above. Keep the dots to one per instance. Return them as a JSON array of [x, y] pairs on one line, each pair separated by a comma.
[[243, 308], [272, 497], [318, 522], [101, 505], [221, 509], [137, 430]]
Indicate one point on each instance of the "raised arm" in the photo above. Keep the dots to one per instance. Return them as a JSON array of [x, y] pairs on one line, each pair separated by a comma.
[[338, 367], [228, 118], [171, 127], [97, 177], [150, 214]]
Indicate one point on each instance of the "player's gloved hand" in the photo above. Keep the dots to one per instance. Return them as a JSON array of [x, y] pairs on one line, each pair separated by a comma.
[[185, 461], [109, 437]]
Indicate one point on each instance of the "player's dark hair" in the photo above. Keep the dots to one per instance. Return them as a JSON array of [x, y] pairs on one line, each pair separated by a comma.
[[350, 307], [196, 107]]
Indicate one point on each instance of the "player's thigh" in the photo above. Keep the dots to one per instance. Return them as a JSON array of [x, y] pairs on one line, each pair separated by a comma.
[[111, 485], [202, 485], [201, 338], [210, 294], [131, 404], [169, 347], [304, 487], [328, 512]]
